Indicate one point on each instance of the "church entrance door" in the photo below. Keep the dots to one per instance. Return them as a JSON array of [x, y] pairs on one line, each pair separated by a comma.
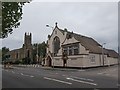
[[49, 61]]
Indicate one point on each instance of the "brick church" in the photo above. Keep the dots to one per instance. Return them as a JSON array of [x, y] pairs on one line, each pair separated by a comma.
[[25, 51]]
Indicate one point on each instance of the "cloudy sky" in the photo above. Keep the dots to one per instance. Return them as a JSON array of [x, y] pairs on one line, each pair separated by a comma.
[[98, 20]]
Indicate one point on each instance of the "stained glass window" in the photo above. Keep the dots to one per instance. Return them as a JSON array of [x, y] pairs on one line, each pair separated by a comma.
[[56, 45]]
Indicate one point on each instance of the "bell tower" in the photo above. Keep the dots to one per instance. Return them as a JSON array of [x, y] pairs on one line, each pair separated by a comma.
[[27, 39], [27, 46]]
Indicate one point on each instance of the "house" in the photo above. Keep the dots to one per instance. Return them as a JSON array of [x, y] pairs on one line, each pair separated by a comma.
[[81, 51]]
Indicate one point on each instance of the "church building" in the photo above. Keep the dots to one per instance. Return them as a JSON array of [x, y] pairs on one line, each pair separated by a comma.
[[81, 51], [25, 51]]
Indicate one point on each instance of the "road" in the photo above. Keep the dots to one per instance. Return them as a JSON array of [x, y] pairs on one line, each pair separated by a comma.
[[43, 77]]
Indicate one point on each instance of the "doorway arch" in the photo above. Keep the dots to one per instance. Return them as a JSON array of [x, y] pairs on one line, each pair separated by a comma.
[[49, 61]]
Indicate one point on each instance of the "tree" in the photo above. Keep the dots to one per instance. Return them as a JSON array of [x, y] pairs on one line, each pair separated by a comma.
[[4, 52], [26, 60], [41, 47], [11, 16]]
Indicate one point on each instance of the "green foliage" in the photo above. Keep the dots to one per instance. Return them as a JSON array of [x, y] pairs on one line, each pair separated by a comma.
[[26, 60], [4, 52], [41, 47], [17, 62], [11, 16]]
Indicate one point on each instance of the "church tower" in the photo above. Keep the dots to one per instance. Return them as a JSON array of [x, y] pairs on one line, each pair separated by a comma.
[[27, 39], [27, 46]]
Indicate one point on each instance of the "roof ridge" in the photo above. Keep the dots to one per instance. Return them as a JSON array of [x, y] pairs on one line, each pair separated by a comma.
[[73, 33]]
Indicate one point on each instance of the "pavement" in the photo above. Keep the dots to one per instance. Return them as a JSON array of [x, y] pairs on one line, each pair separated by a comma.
[[45, 77], [45, 67]]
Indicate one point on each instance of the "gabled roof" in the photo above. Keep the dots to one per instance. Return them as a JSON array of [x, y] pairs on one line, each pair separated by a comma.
[[15, 50], [90, 44], [112, 53]]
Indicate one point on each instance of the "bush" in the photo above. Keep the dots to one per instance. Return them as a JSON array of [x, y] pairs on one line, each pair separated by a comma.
[[17, 62], [26, 60]]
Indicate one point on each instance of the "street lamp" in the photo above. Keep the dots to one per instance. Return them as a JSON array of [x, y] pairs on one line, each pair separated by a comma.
[[37, 53], [49, 26], [53, 50], [103, 52]]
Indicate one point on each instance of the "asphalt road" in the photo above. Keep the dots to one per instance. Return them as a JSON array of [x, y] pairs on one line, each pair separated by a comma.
[[41, 77]]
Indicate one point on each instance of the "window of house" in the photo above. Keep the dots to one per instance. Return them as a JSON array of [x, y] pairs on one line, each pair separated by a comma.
[[76, 49], [57, 59], [105, 61], [92, 59], [16, 55], [65, 50], [70, 50]]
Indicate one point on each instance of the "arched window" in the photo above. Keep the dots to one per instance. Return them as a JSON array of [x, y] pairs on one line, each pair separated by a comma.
[[17, 55], [56, 45], [28, 53]]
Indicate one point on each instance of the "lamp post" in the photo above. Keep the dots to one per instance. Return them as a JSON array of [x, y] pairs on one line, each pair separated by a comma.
[[49, 26], [103, 52], [37, 53], [53, 50]]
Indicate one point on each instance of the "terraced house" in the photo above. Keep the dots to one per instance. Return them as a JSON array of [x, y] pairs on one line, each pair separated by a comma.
[[81, 51]]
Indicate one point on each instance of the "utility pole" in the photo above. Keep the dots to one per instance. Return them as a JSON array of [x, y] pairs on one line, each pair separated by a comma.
[[37, 53], [103, 52]]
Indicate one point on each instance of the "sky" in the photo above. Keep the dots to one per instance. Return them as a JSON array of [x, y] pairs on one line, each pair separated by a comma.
[[98, 20]]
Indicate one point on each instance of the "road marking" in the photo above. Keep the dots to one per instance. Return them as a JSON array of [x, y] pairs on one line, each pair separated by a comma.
[[26, 75], [64, 75], [99, 73], [57, 80], [82, 78], [104, 74], [31, 76], [13, 72], [81, 70], [82, 81]]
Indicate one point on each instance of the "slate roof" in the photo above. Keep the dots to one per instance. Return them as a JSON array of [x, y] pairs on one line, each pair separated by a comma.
[[90, 44], [112, 53]]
